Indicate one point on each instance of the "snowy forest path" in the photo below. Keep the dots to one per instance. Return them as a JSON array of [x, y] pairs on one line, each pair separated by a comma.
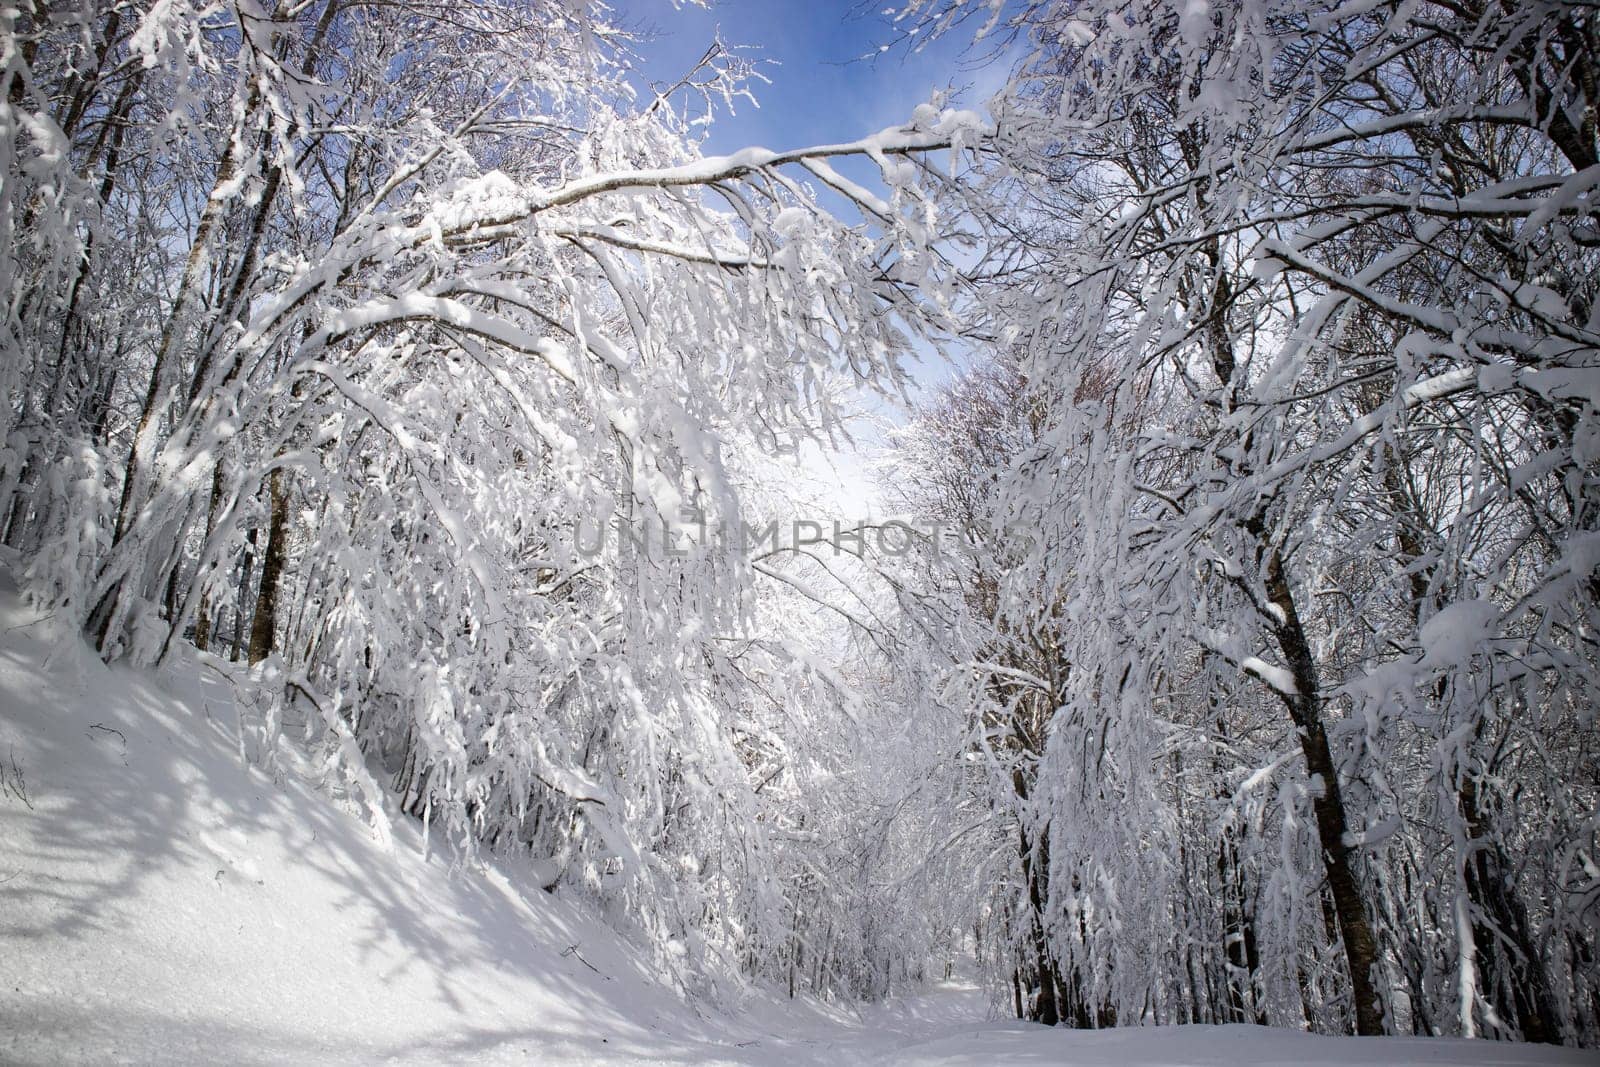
[[163, 900]]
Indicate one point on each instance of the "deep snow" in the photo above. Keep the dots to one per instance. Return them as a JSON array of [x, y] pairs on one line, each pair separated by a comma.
[[163, 901]]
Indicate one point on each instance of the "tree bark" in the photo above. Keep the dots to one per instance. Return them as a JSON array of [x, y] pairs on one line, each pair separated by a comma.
[[265, 623], [1512, 975], [1355, 930]]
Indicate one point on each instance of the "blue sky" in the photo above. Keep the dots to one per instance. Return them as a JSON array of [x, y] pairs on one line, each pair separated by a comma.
[[829, 80], [822, 88]]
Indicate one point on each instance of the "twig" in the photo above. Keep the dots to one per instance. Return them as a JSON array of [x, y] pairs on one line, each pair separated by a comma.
[[12, 780], [572, 950], [31, 622], [110, 730]]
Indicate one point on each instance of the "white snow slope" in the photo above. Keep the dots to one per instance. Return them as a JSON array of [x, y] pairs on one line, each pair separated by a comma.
[[161, 902]]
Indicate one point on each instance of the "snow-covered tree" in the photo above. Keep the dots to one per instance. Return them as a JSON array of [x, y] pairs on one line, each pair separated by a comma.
[[403, 349], [1321, 551]]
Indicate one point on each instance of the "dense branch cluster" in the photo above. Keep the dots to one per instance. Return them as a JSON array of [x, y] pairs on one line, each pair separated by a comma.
[[1289, 698], [328, 327]]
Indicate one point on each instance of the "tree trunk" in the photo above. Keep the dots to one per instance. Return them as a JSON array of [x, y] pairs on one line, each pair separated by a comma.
[[1304, 706], [1512, 974], [1042, 1005], [1305, 709], [265, 623]]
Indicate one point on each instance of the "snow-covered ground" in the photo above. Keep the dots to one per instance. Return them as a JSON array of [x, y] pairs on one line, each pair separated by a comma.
[[160, 901]]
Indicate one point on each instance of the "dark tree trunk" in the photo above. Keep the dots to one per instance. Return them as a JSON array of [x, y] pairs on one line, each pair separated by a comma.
[[1512, 974], [1239, 938], [265, 622], [1305, 705], [1355, 929], [1042, 1004], [202, 619]]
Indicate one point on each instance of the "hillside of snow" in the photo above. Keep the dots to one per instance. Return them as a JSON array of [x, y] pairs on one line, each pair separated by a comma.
[[163, 901]]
